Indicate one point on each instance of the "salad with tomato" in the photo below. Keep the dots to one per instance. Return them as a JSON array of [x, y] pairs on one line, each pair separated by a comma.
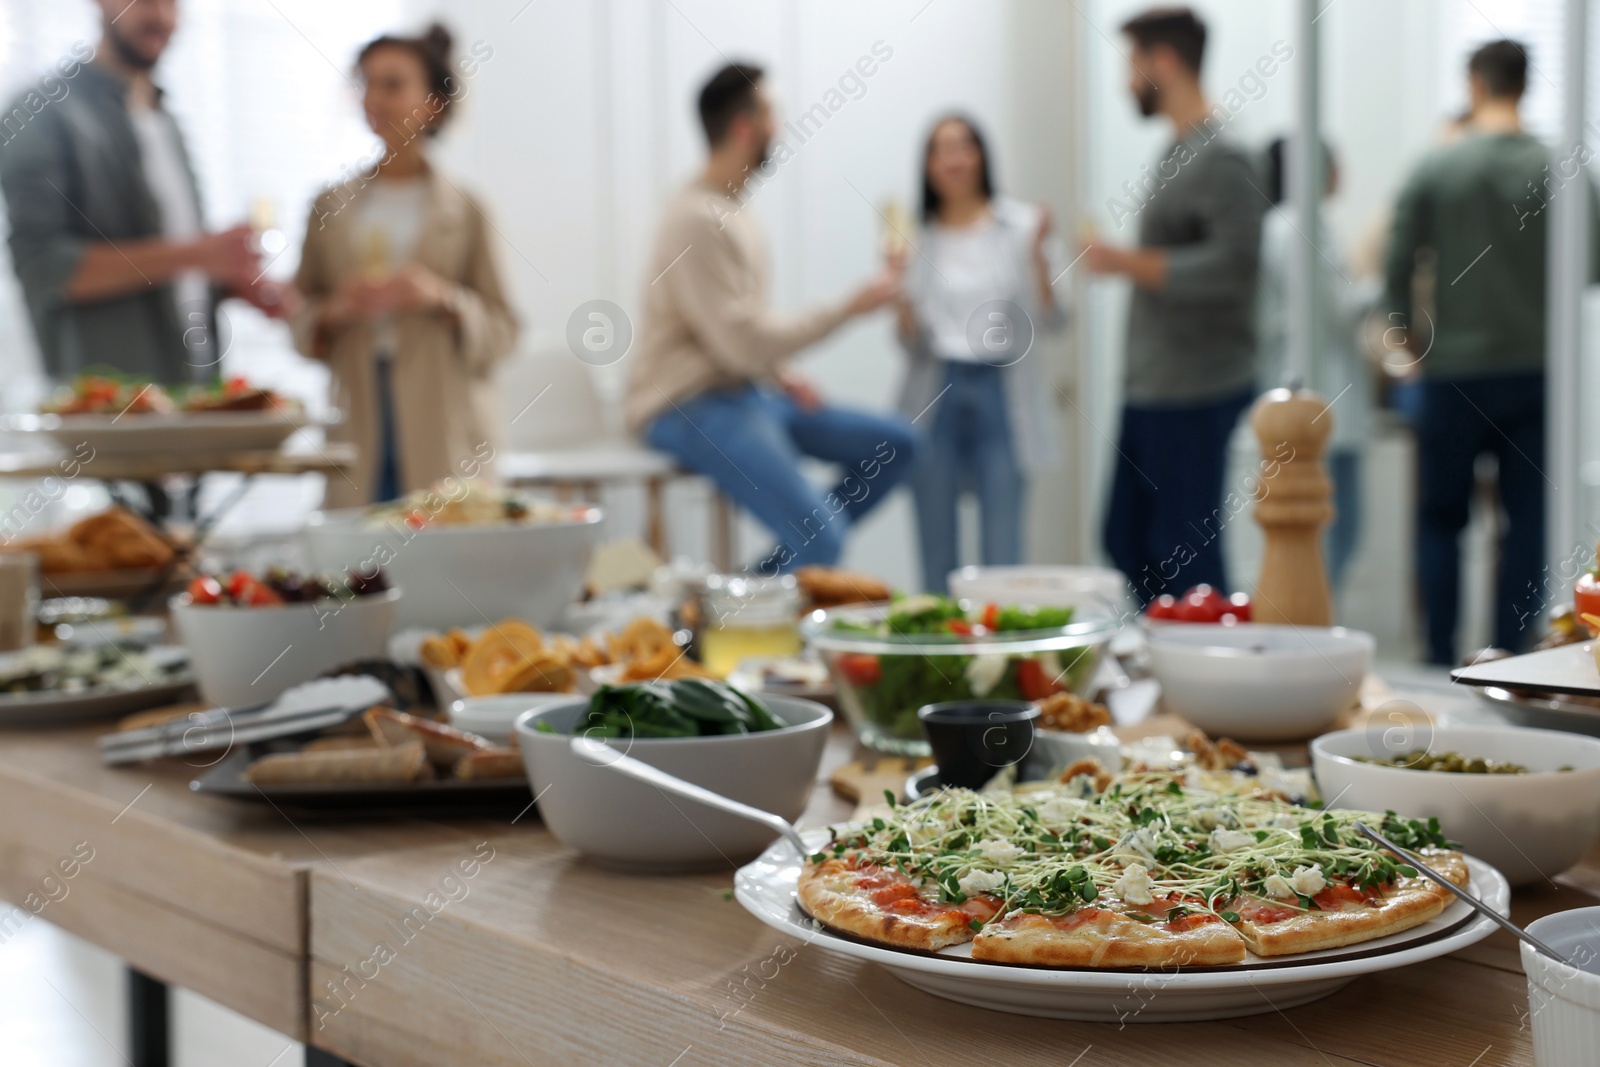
[[280, 585], [888, 662]]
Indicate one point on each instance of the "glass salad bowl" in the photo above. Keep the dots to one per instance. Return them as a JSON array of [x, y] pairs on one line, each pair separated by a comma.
[[888, 660]]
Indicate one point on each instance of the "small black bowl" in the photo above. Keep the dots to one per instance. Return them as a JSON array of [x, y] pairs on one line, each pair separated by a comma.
[[973, 739]]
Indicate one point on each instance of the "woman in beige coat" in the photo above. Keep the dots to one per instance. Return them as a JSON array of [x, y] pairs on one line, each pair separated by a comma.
[[403, 295]]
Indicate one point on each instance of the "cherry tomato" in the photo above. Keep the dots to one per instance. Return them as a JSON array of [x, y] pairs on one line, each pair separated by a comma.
[[859, 668], [1164, 606], [1239, 606], [238, 585], [1586, 598], [1033, 682], [991, 616], [261, 595], [958, 626], [1201, 604], [416, 519], [205, 589]]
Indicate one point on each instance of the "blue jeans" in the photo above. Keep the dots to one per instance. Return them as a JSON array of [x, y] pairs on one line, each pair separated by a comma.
[[1343, 535], [1164, 523], [1456, 422], [388, 435], [968, 445], [749, 442]]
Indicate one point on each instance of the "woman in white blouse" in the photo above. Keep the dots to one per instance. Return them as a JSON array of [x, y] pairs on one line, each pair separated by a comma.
[[404, 298], [977, 294]]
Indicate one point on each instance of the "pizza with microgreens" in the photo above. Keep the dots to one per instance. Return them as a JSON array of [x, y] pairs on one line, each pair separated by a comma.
[[1148, 872]]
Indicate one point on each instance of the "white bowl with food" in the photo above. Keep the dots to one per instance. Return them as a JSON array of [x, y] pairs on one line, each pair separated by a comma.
[[466, 573], [621, 822], [1257, 681], [1532, 824], [244, 656], [495, 717], [1095, 590]]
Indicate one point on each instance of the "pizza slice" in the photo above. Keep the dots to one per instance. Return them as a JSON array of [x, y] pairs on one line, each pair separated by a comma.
[[1305, 911], [1166, 933], [883, 904]]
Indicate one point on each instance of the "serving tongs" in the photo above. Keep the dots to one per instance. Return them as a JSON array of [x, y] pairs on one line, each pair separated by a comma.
[[599, 754], [315, 705], [1482, 908]]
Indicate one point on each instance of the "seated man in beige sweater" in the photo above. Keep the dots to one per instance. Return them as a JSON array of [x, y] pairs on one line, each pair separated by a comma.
[[707, 384]]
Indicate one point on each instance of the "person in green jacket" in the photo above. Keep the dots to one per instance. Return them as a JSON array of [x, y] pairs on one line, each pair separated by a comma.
[[1478, 207]]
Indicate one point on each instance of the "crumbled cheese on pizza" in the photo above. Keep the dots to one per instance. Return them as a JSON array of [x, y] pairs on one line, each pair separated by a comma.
[[979, 881], [1284, 821], [1278, 886], [1060, 810], [1211, 818], [1141, 844], [1134, 885], [984, 673], [1229, 840], [997, 851], [1308, 881]]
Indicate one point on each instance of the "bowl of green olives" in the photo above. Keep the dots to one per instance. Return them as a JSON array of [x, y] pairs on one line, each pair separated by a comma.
[[1526, 801]]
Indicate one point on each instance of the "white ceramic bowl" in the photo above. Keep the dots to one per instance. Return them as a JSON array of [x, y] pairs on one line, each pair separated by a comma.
[[495, 717], [621, 822], [1095, 590], [1531, 826], [1564, 1002], [1257, 682], [464, 575], [247, 656], [1054, 750]]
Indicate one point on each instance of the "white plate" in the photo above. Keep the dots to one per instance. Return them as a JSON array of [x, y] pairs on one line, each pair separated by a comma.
[[766, 887], [59, 709], [179, 432]]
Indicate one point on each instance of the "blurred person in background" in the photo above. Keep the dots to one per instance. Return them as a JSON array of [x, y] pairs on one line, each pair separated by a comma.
[[1475, 207], [986, 409], [108, 237], [1339, 371], [709, 386], [1191, 350], [403, 290]]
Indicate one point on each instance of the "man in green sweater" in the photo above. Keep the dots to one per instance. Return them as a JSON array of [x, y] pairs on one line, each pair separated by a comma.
[[1478, 207]]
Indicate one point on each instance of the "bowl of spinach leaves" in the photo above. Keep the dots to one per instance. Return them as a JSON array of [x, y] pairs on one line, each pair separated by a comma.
[[764, 751], [888, 660]]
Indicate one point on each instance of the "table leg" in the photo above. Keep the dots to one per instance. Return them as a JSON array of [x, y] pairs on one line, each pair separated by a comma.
[[655, 525], [148, 1021], [722, 532], [315, 1057]]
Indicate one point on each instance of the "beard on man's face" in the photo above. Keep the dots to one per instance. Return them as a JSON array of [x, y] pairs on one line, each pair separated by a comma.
[[129, 51], [1148, 98]]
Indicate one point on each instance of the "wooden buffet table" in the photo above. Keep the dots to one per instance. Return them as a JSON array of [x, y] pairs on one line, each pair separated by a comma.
[[324, 929]]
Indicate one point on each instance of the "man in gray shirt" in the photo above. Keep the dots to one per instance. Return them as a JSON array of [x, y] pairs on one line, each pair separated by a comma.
[[1191, 328], [106, 231]]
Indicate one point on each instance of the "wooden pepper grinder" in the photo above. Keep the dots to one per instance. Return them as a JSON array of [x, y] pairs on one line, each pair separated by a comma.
[[1293, 503]]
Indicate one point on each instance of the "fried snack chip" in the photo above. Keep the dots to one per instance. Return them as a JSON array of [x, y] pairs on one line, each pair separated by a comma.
[[1065, 711], [545, 673], [440, 652], [499, 656], [513, 657]]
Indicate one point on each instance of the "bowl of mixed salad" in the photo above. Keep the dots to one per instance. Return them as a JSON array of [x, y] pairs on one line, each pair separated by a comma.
[[888, 660]]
